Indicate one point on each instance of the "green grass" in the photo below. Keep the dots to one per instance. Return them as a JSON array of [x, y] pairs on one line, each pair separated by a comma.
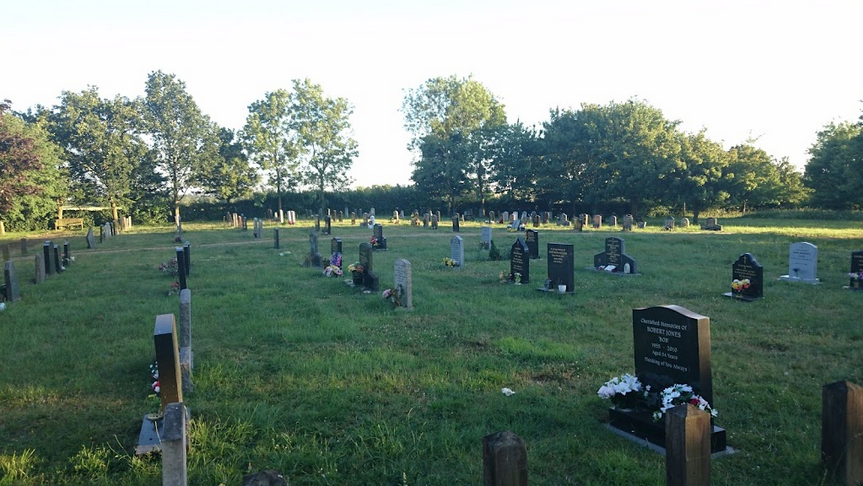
[[330, 386]]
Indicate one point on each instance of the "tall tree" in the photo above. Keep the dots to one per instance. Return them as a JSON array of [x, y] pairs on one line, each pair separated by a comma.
[[323, 130], [31, 182], [698, 177], [834, 172], [441, 116], [271, 142], [753, 180], [228, 176], [101, 142], [182, 138]]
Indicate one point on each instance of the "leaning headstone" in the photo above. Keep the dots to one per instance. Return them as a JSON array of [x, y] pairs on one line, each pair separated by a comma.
[[614, 257], [561, 267], [532, 240], [485, 237], [402, 282], [519, 262], [842, 432], [186, 358], [672, 346], [13, 291], [40, 269], [379, 238], [456, 250], [747, 279], [504, 460], [802, 263], [856, 274]]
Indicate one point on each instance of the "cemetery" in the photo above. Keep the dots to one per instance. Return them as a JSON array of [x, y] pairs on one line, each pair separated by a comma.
[[417, 373]]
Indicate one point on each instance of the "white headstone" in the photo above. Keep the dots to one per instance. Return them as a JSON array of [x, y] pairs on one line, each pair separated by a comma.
[[403, 284], [456, 250], [802, 263], [485, 237]]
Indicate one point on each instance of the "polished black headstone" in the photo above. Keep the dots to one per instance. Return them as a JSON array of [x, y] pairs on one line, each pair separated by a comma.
[[614, 254], [519, 261], [561, 266], [46, 255], [747, 268], [532, 240]]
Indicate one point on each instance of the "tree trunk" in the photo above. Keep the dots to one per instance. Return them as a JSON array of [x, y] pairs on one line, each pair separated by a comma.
[[279, 184], [695, 213], [744, 208], [633, 204], [113, 209]]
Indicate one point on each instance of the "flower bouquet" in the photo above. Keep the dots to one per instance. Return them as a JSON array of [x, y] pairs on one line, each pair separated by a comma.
[[393, 295], [170, 267], [335, 265], [449, 262], [357, 271], [740, 285], [625, 392], [856, 278], [679, 394]]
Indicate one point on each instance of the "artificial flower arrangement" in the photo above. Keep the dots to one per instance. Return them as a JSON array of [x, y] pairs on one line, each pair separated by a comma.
[[740, 285], [170, 267], [628, 392], [154, 373], [373, 241], [449, 262], [356, 268], [516, 278], [856, 275], [175, 287], [335, 266], [393, 295]]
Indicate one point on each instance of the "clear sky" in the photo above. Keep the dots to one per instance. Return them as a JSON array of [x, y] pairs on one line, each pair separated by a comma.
[[777, 71]]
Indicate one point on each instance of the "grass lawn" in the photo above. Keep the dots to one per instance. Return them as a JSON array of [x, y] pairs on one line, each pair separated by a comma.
[[306, 375]]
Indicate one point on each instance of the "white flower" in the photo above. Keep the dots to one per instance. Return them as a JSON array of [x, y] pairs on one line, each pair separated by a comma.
[[507, 392]]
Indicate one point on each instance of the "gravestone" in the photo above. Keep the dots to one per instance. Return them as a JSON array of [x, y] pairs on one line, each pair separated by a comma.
[[612, 221], [168, 358], [615, 255], [747, 268], [255, 228], [402, 282], [276, 238], [519, 262], [455, 223], [336, 246], [672, 346], [434, 220], [536, 220], [711, 225], [7, 254], [380, 239], [505, 217], [627, 222], [684, 222], [597, 221], [371, 212], [187, 258], [260, 228], [13, 291], [314, 255], [485, 237], [40, 269], [456, 250], [23, 246], [58, 262], [546, 217], [491, 216], [46, 255], [583, 218], [426, 219], [561, 266], [181, 264], [185, 339], [370, 279], [669, 223], [91, 240], [318, 223], [856, 269], [437, 213], [353, 218], [340, 216], [328, 225], [563, 220], [532, 240], [802, 263], [578, 226], [67, 256]]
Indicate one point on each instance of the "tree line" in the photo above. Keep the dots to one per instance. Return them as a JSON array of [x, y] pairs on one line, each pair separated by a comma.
[[148, 153]]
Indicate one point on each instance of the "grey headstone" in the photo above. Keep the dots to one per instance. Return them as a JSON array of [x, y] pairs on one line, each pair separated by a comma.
[[456, 250], [186, 360], [91, 240], [40, 269], [485, 237], [402, 278], [13, 291], [802, 263]]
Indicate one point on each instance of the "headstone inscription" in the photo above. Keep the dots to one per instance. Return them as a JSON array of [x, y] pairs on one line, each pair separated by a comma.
[[747, 279], [485, 238], [456, 250], [561, 266], [378, 238], [856, 274], [13, 291], [532, 241], [403, 284], [802, 263], [672, 346], [519, 262], [614, 256]]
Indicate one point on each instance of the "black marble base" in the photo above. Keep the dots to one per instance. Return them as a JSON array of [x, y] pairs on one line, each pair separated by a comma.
[[642, 425]]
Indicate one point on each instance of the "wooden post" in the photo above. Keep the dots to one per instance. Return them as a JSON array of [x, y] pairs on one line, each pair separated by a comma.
[[504, 460], [687, 446], [174, 446], [842, 432], [168, 358]]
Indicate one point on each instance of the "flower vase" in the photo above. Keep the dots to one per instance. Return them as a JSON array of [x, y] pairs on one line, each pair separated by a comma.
[[855, 284], [358, 278]]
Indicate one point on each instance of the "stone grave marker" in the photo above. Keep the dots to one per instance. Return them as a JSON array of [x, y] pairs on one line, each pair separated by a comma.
[[684, 222], [318, 223], [186, 360], [669, 223], [711, 225], [255, 228], [802, 263], [403, 282], [456, 250], [167, 356], [505, 216], [614, 255], [370, 279], [314, 254], [437, 213], [612, 221], [181, 264], [455, 223], [536, 220], [40, 269], [58, 262], [561, 266], [672, 346], [380, 239], [46, 255], [746, 268], [519, 262], [67, 255], [434, 220], [187, 258], [532, 240], [491, 215], [23, 246], [485, 237], [578, 225], [856, 274], [597, 221], [328, 225], [627, 222], [13, 291], [91, 240], [276, 238]]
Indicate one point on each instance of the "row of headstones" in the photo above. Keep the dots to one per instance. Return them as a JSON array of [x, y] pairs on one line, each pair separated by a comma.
[[240, 221]]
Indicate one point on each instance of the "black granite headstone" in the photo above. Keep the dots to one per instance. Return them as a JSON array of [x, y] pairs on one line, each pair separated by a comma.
[[58, 263], [561, 269], [455, 224], [335, 245], [366, 259], [519, 262], [13, 291], [614, 254], [328, 221], [856, 268], [181, 266], [747, 268], [532, 240], [187, 258], [380, 240], [46, 255]]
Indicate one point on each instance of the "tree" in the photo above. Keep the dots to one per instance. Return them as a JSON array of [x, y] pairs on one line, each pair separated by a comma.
[[698, 177], [441, 116], [322, 129], [753, 180], [517, 159], [31, 183], [271, 142], [101, 143], [228, 176], [183, 139], [834, 172]]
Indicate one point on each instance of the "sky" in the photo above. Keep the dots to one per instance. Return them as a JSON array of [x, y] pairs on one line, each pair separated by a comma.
[[773, 71]]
